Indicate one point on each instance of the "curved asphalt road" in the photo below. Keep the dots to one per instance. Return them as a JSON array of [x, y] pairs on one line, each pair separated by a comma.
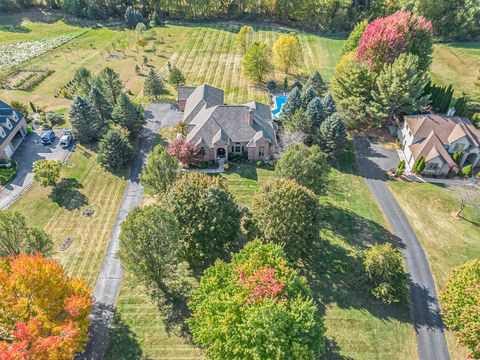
[[372, 160]]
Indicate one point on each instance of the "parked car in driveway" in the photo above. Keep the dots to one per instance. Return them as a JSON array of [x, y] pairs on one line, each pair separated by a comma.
[[66, 139], [48, 137]]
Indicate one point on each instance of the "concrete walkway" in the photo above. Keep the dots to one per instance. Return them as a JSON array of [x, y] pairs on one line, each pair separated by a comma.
[[423, 296]]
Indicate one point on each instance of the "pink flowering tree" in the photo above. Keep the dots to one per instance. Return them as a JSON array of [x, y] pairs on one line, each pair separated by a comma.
[[386, 38], [185, 152]]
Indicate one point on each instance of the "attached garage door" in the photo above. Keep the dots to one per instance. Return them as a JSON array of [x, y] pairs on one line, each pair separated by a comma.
[[9, 151]]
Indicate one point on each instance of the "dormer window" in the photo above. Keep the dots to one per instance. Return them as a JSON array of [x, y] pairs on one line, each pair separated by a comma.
[[2, 132], [9, 125]]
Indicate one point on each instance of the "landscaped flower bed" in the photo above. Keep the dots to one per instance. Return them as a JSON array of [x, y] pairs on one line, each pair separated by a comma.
[[25, 79], [17, 53], [8, 170]]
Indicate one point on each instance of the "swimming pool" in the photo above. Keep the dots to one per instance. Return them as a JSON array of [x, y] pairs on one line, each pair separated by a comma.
[[279, 101]]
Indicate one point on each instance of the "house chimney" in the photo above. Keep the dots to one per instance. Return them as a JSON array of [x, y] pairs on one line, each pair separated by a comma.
[[250, 116]]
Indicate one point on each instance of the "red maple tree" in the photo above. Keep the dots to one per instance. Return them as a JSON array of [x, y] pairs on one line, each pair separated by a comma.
[[384, 39], [44, 312]]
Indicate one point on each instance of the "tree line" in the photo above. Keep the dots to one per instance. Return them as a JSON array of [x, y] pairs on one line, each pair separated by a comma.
[[452, 20]]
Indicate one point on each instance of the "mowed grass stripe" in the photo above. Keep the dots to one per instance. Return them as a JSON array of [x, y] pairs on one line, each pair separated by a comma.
[[191, 62]]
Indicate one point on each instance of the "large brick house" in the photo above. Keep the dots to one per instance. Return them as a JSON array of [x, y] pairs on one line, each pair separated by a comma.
[[220, 130], [13, 128], [436, 138]]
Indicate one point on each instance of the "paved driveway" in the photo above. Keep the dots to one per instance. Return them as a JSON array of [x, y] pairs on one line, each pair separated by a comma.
[[372, 160], [161, 115], [109, 281], [29, 151]]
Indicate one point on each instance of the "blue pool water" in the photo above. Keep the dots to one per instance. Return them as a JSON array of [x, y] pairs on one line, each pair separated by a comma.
[[279, 101]]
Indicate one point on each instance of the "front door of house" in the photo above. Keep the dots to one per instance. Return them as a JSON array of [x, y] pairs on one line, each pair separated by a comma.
[[221, 152]]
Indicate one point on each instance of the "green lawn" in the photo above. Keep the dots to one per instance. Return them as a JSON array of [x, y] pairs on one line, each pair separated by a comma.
[[60, 213], [448, 242], [457, 64]]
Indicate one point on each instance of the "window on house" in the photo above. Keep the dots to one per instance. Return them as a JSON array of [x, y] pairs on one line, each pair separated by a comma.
[[261, 151], [432, 166], [243, 149], [2, 133], [458, 147], [9, 124], [202, 151], [237, 149], [233, 149]]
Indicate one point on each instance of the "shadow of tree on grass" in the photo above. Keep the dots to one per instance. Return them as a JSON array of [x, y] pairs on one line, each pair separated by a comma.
[[67, 195], [122, 341]]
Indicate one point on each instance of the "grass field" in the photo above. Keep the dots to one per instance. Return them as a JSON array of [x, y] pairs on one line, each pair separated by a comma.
[[458, 64], [59, 212], [448, 242], [205, 53]]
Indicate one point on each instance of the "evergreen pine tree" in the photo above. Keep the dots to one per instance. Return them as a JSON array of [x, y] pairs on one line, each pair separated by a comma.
[[155, 20], [110, 83], [153, 84], [317, 82], [293, 103], [114, 151], [329, 104], [332, 134], [129, 115], [83, 81], [399, 89], [461, 106], [307, 96], [176, 77], [315, 112], [86, 120], [101, 103]]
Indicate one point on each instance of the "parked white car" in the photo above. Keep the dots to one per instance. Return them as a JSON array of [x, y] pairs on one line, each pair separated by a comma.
[[66, 139]]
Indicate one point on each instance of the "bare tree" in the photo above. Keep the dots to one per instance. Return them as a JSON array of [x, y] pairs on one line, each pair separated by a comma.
[[469, 195], [286, 138]]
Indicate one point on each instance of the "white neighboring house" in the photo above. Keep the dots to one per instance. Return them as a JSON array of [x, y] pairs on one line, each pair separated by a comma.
[[436, 138]]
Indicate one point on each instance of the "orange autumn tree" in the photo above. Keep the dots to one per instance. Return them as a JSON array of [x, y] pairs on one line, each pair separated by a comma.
[[43, 312]]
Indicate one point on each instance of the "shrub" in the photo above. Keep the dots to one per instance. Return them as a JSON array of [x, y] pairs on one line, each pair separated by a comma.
[[460, 305], [457, 155], [7, 174], [226, 167], [256, 307], [419, 165], [467, 170], [401, 165], [384, 273], [260, 163], [202, 165]]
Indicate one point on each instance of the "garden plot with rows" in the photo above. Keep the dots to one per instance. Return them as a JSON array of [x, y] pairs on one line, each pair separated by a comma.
[[17, 53]]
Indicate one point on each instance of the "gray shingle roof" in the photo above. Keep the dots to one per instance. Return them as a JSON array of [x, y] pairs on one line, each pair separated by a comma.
[[7, 113], [210, 121], [203, 95], [184, 92]]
